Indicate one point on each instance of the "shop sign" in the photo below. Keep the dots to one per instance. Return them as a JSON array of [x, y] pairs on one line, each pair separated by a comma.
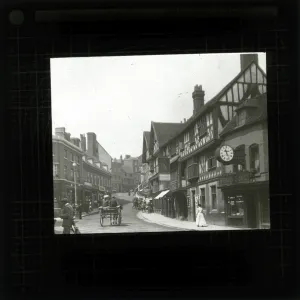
[[87, 184]]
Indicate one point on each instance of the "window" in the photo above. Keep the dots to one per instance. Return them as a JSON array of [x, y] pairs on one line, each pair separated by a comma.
[[254, 158], [235, 206], [213, 190], [240, 155], [186, 137], [65, 172], [211, 162], [202, 127], [202, 164], [66, 153], [72, 174], [241, 119], [202, 197], [192, 135], [55, 170]]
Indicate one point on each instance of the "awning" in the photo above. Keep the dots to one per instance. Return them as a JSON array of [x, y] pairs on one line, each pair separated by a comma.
[[162, 194], [174, 159]]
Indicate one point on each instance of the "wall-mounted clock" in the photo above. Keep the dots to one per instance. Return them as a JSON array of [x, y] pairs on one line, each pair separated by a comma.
[[225, 154]]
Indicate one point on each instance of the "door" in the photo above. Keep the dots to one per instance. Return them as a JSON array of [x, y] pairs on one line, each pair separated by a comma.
[[193, 205], [252, 211]]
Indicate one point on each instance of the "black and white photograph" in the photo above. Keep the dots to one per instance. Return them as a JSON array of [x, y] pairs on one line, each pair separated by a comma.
[[160, 143]]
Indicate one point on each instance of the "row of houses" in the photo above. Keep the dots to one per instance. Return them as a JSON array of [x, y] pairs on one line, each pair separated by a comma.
[[218, 157], [83, 163]]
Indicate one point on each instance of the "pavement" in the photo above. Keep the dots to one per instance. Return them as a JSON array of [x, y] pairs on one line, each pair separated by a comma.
[[179, 225]]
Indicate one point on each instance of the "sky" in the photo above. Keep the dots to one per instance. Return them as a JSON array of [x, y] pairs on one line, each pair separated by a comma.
[[118, 97]]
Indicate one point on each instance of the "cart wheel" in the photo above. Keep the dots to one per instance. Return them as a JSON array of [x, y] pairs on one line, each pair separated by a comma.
[[101, 220]]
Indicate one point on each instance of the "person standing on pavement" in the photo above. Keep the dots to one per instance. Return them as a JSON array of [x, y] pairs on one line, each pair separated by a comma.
[[200, 220], [67, 216], [79, 210]]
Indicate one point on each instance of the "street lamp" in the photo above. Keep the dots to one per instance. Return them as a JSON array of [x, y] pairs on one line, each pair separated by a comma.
[[75, 165]]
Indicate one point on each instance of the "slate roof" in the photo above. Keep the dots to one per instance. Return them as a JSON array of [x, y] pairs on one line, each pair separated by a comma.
[[260, 103], [166, 131]]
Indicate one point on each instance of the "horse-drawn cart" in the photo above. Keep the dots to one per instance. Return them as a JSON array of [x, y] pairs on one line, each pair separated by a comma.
[[112, 213]]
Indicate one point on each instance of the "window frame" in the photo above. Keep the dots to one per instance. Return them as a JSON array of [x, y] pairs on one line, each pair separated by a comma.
[[253, 158], [213, 200]]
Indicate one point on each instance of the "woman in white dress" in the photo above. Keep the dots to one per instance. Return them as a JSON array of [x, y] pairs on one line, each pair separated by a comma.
[[200, 220]]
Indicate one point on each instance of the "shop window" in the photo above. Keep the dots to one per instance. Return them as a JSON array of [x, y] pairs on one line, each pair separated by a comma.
[[254, 158], [265, 212], [235, 206], [202, 198], [213, 190]]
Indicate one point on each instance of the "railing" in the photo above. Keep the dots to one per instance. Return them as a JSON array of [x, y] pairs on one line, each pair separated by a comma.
[[235, 178], [193, 171]]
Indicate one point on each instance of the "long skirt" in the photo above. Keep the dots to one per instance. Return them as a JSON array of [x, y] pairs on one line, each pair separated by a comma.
[[200, 221]]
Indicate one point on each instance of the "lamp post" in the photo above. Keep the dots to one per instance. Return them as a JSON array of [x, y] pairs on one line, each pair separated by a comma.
[[75, 165]]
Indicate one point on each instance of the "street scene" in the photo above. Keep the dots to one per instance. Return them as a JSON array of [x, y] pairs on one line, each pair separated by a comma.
[[160, 143]]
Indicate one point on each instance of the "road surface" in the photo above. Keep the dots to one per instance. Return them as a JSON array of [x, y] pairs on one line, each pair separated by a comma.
[[130, 221]]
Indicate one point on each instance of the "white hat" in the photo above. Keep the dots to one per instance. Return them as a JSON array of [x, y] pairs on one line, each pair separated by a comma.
[[106, 196]]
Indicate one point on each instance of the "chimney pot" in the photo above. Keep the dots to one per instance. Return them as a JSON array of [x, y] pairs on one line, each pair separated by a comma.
[[198, 98], [246, 59]]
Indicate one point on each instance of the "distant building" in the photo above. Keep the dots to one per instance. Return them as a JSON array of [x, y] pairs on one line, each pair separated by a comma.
[[117, 175]]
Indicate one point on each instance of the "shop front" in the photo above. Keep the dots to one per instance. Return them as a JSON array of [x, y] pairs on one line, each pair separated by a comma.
[[247, 205]]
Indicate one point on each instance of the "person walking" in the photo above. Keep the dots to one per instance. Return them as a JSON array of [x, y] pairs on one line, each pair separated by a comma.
[[67, 216], [200, 220]]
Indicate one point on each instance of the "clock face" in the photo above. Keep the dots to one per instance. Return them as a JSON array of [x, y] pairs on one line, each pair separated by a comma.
[[226, 153]]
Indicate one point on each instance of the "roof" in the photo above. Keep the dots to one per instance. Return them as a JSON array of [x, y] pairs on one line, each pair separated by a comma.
[[260, 103], [211, 103], [147, 137], [166, 131]]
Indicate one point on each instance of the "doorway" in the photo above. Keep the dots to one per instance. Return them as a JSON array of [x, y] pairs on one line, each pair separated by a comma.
[[193, 204], [252, 211]]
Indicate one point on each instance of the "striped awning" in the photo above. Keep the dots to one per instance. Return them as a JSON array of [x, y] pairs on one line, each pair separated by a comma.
[[162, 194]]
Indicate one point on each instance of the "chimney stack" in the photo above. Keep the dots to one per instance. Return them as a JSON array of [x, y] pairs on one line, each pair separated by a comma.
[[246, 59], [92, 147], [198, 98], [83, 142], [68, 136], [60, 131]]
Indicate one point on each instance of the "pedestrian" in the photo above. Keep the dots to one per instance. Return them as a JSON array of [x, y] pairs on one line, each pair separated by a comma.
[[106, 201], [200, 220], [79, 210], [67, 215]]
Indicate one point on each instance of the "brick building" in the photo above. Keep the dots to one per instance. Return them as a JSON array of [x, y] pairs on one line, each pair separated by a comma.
[[66, 152], [72, 157]]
